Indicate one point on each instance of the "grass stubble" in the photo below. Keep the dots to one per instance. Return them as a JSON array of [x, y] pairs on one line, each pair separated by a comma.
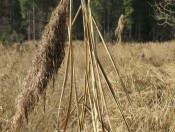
[[148, 74]]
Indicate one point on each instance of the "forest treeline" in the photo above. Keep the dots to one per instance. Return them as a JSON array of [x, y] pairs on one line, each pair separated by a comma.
[[25, 19]]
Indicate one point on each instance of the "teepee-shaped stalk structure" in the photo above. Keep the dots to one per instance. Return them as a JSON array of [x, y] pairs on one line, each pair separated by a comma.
[[93, 97]]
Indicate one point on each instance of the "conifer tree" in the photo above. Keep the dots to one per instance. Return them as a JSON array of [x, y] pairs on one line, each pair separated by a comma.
[[128, 10]]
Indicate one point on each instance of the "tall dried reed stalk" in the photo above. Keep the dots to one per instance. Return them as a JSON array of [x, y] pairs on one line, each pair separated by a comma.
[[93, 89], [47, 61]]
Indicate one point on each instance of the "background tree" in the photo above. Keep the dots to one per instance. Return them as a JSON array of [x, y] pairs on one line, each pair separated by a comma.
[[10, 19], [29, 17], [165, 12], [107, 14], [128, 10]]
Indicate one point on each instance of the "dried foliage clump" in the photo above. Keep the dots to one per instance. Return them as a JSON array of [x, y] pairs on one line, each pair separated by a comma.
[[119, 30], [47, 61]]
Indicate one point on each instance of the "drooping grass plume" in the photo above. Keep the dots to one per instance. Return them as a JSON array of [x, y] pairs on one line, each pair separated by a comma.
[[47, 61]]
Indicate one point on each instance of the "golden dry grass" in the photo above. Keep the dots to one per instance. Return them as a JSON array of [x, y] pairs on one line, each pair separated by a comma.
[[148, 71]]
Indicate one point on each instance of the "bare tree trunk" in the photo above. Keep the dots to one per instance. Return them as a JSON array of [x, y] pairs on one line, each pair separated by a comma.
[[28, 21], [153, 33], [139, 33], [34, 36], [108, 37], [130, 34], [104, 29]]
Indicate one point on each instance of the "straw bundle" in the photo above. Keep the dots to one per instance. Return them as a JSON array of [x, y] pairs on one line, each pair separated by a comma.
[[119, 29], [47, 61]]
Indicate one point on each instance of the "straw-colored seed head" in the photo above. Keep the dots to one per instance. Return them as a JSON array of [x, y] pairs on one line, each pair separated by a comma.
[[47, 61], [119, 29]]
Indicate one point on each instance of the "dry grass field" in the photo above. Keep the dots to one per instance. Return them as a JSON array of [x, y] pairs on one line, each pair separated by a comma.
[[148, 72]]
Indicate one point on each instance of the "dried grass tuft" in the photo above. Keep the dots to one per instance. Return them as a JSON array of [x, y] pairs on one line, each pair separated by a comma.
[[47, 61], [119, 30]]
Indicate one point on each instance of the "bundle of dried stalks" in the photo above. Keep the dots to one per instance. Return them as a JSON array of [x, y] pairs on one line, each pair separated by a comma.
[[93, 106], [119, 30], [47, 61]]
